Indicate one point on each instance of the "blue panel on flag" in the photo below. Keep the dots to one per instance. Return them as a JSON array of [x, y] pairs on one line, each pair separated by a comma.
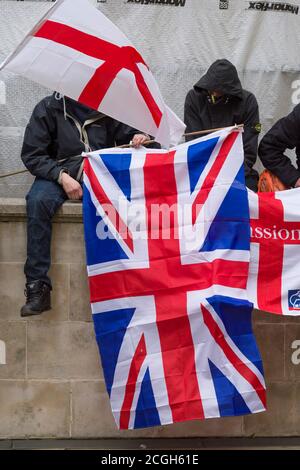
[[230, 228], [119, 165], [236, 316], [98, 250], [146, 411], [198, 156], [110, 328], [230, 402]]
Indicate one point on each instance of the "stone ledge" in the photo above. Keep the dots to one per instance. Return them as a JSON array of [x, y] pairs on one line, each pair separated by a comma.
[[231, 443], [14, 209]]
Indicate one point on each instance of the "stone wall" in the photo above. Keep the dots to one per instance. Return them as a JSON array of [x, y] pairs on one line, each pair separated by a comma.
[[52, 385]]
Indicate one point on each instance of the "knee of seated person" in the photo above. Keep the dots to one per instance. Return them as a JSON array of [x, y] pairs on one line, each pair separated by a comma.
[[40, 204]]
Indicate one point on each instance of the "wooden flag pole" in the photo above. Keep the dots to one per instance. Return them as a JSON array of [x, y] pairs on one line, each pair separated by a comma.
[[189, 134]]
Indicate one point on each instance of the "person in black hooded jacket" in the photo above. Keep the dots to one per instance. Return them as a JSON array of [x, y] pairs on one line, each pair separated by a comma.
[[59, 130], [218, 100], [285, 134]]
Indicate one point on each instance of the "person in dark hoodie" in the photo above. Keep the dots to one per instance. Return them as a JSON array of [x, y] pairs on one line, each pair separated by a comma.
[[218, 100], [285, 134], [59, 130]]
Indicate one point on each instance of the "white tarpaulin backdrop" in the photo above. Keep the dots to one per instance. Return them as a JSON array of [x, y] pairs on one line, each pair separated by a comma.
[[179, 43]]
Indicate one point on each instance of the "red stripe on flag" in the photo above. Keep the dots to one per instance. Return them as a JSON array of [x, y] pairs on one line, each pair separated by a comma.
[[115, 59], [168, 275], [135, 367], [237, 363], [178, 354], [270, 258], [102, 197], [171, 310], [210, 179]]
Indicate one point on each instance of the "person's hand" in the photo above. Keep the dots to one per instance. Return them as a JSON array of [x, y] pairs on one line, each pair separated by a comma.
[[71, 187], [139, 139], [297, 185]]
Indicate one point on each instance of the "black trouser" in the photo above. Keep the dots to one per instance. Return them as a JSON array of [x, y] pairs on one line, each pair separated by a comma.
[[43, 200]]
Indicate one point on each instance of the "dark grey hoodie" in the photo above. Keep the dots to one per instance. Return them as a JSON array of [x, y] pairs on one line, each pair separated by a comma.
[[237, 106]]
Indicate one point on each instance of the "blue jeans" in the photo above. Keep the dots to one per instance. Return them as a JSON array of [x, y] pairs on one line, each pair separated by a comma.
[[43, 200]]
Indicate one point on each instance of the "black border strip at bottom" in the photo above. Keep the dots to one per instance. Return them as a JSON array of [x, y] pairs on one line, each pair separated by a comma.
[[255, 443]]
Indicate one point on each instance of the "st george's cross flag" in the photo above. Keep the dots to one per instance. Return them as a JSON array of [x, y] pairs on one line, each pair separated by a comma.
[[75, 50], [167, 241], [274, 281]]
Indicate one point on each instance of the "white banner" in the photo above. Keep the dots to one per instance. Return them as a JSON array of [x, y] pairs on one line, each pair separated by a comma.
[[179, 40]]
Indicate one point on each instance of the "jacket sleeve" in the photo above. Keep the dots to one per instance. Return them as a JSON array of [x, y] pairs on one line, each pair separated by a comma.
[[123, 134], [36, 144], [285, 134], [191, 118], [250, 134]]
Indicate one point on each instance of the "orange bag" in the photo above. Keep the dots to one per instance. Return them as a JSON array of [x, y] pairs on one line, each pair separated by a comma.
[[270, 183]]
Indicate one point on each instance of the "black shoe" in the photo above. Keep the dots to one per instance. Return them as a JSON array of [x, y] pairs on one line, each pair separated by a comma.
[[38, 299]]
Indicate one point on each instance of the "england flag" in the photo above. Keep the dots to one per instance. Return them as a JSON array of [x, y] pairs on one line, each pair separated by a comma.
[[274, 281], [75, 50]]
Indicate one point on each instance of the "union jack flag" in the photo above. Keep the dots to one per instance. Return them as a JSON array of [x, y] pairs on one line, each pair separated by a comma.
[[169, 300]]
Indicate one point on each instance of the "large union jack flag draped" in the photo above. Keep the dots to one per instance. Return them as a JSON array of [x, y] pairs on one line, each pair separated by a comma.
[[168, 293]]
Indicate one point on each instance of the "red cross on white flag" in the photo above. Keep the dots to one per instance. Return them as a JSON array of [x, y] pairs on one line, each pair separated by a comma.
[[77, 51], [274, 281]]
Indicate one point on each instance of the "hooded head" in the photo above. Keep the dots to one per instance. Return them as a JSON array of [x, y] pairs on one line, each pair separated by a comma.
[[222, 77]]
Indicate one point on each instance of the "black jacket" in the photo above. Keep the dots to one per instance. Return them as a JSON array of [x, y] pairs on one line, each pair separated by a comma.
[[238, 106], [285, 134], [61, 129]]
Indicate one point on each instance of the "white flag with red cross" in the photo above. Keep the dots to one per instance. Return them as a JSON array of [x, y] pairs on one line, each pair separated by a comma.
[[274, 275], [75, 50]]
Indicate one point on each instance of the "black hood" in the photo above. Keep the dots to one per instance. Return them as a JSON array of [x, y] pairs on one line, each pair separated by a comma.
[[222, 76]]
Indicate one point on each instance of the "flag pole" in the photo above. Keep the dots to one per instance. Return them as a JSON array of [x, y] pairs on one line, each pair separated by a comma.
[[189, 134]]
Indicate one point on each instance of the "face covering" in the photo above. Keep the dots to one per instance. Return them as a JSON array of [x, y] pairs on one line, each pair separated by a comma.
[[217, 99]]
